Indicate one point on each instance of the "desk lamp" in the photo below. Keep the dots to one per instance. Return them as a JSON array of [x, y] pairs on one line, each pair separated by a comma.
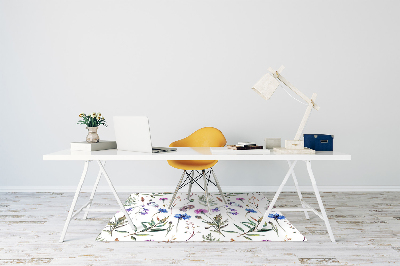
[[266, 86]]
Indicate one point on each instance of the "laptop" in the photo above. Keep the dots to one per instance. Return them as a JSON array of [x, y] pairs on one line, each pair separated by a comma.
[[133, 134]]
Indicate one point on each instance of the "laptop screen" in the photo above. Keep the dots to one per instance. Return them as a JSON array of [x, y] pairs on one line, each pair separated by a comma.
[[132, 133]]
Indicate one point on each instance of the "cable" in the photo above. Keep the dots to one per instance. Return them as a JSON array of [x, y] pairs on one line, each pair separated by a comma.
[[291, 95]]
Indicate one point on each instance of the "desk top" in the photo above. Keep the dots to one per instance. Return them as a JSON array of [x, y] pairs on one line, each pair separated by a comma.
[[186, 153]]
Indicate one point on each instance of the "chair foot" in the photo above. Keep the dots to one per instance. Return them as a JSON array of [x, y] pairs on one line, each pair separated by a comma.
[[190, 184], [206, 189]]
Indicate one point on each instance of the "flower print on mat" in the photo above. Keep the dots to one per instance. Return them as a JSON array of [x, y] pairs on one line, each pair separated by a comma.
[[181, 217], [191, 220], [186, 208], [203, 211], [216, 209]]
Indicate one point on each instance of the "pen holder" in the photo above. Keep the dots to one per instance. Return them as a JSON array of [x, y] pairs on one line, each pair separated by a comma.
[[271, 143]]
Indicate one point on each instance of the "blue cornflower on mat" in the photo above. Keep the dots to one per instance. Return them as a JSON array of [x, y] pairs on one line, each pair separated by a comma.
[[250, 210], [215, 209], [276, 216], [163, 210], [145, 211], [182, 216], [128, 210]]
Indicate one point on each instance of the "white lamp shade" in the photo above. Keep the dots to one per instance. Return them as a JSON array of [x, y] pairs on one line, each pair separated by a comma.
[[266, 86]]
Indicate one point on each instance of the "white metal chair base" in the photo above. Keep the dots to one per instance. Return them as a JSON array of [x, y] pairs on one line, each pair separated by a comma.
[[203, 172], [305, 206], [86, 207]]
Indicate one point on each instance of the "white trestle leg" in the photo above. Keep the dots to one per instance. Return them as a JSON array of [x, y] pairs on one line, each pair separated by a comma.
[[299, 192], [93, 192], [71, 210], [321, 205], [272, 204], [305, 206], [116, 197]]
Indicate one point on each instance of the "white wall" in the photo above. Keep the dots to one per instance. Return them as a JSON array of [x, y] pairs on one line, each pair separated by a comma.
[[189, 64]]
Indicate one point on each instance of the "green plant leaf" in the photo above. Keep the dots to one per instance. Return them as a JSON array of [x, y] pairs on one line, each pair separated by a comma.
[[264, 230], [240, 228], [157, 229]]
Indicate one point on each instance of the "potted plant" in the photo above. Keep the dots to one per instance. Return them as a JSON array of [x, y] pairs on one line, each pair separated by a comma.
[[92, 123]]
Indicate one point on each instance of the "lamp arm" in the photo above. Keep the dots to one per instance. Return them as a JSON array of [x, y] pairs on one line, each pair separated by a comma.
[[305, 117], [293, 88]]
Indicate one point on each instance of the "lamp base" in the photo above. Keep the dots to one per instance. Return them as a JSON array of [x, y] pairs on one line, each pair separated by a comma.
[[294, 144], [293, 151]]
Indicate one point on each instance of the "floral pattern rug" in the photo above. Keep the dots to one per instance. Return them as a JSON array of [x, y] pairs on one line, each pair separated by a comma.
[[190, 220]]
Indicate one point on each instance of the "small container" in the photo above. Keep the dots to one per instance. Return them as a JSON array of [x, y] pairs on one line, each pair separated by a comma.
[[92, 136], [318, 142], [294, 144], [271, 143]]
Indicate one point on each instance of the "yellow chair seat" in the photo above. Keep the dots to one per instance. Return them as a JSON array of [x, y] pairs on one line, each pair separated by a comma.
[[191, 164], [204, 137]]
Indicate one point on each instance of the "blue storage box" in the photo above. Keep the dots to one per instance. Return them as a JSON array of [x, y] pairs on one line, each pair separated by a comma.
[[318, 142]]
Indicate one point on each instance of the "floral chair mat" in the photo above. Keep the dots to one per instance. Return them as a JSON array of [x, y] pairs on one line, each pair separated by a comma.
[[190, 220]]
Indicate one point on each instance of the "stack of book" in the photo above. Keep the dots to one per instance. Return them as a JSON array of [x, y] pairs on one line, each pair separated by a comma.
[[245, 146], [240, 148], [98, 146]]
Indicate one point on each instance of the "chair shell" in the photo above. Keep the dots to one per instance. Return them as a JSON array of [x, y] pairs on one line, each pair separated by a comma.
[[204, 137]]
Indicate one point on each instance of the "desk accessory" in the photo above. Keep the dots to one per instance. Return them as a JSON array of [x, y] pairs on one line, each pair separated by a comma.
[[319, 142], [266, 86], [227, 151], [98, 146], [271, 143], [249, 147], [92, 123]]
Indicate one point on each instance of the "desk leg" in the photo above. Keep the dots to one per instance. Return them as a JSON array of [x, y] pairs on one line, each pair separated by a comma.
[[299, 192], [93, 192], [271, 205], [321, 205], [71, 210], [116, 196]]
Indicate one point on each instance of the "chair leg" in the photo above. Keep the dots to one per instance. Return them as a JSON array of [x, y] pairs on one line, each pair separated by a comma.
[[176, 190], [190, 184], [218, 186], [206, 188]]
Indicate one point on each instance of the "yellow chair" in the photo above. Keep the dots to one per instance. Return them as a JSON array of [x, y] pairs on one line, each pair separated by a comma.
[[204, 137]]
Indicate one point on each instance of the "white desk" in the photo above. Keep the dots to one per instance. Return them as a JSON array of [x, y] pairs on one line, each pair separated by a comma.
[[193, 154]]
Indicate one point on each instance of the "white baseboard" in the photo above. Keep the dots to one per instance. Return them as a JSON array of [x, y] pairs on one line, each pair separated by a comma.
[[132, 189]]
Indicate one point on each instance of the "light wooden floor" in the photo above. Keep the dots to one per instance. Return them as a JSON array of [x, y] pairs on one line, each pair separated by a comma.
[[366, 226]]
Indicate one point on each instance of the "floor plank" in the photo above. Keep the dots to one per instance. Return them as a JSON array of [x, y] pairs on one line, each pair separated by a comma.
[[366, 226]]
